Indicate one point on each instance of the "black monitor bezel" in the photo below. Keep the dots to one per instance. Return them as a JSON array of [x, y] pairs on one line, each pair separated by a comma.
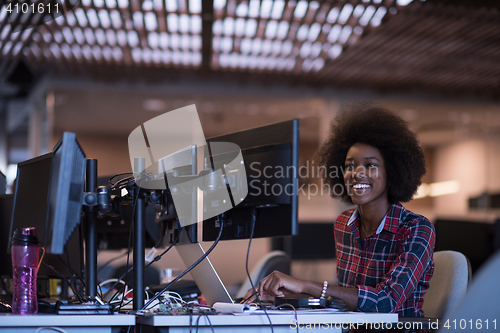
[[66, 189], [276, 135]]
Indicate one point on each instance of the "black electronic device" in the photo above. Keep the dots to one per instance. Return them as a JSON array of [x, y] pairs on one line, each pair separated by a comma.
[[301, 302], [90, 309], [270, 155], [29, 209], [113, 228], [113, 231]]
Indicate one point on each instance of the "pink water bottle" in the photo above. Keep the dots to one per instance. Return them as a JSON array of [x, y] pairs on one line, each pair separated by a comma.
[[25, 253]]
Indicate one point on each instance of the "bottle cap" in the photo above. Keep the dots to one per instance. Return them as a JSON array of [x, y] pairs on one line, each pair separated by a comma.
[[25, 236]]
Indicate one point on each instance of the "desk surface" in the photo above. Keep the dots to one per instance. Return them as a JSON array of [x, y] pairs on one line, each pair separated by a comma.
[[42, 319], [252, 322], [283, 318]]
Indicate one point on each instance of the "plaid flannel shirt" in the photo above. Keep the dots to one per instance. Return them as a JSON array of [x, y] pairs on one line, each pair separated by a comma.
[[392, 267]]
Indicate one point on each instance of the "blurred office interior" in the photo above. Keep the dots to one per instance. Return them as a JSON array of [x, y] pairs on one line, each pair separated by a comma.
[[107, 66]]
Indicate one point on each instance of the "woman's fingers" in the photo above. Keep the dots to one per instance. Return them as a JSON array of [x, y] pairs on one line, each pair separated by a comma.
[[273, 284]]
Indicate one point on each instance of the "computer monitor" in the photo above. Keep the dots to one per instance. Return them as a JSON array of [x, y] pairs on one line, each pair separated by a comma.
[[29, 209], [270, 155], [64, 204]]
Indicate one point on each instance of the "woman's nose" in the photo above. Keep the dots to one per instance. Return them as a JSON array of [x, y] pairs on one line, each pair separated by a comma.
[[359, 172]]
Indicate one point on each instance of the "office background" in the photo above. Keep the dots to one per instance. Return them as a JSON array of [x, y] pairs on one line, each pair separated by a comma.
[[105, 67]]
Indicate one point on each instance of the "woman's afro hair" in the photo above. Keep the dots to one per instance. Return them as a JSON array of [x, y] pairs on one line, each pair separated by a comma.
[[376, 126]]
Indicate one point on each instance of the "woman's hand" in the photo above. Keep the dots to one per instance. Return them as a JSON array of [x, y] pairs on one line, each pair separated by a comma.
[[275, 284]]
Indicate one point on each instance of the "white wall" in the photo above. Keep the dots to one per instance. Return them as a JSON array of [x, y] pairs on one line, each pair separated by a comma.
[[474, 163]]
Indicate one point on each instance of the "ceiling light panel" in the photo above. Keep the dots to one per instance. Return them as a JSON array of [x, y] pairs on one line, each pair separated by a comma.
[[141, 35], [312, 33], [261, 35]]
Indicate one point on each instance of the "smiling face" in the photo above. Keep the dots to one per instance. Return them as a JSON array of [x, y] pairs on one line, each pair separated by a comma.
[[365, 176]]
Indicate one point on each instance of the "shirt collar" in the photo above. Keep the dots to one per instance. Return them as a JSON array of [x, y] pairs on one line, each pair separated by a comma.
[[355, 215]]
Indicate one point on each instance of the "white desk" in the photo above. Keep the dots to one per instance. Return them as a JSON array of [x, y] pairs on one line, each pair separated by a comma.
[[251, 323], [69, 323]]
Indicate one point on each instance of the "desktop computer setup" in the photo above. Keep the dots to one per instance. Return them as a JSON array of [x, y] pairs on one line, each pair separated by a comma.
[[53, 190]]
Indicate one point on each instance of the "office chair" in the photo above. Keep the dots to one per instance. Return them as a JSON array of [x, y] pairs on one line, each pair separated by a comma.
[[274, 260], [448, 285], [478, 310], [452, 273]]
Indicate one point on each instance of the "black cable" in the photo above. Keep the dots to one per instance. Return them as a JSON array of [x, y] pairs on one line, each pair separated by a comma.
[[127, 270], [70, 269], [190, 320], [80, 298], [113, 185], [187, 270], [120, 174], [209, 321], [123, 183], [138, 190], [71, 272], [164, 230], [294, 311], [254, 217], [128, 180], [157, 258]]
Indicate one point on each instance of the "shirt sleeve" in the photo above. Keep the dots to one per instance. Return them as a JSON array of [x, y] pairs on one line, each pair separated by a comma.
[[404, 274]]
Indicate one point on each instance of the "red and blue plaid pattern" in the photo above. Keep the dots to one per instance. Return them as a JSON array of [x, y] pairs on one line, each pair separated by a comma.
[[391, 269]]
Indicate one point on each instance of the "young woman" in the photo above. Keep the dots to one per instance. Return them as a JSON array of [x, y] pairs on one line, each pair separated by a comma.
[[384, 252]]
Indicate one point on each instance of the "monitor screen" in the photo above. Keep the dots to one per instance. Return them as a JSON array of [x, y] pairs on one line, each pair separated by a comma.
[[270, 154], [29, 209]]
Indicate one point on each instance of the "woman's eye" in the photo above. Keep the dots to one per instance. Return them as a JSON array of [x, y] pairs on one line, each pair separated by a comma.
[[349, 167]]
